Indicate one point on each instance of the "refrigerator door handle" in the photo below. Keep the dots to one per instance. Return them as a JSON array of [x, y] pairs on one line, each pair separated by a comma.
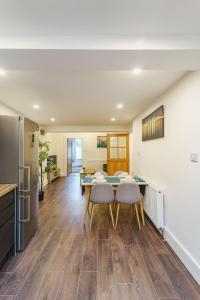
[[28, 199], [28, 168]]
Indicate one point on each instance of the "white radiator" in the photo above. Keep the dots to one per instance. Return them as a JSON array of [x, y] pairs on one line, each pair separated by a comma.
[[154, 206]]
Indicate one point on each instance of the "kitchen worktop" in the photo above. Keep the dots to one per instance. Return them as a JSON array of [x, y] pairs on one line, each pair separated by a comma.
[[6, 188]]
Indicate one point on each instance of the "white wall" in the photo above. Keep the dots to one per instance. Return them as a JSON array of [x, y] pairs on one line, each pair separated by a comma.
[[92, 156], [4, 110], [166, 163]]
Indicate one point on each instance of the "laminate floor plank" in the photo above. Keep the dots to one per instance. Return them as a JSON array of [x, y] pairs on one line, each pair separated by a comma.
[[163, 251], [106, 285], [49, 286], [132, 292], [90, 254], [68, 261], [120, 259], [37, 274], [17, 278], [178, 263], [104, 255], [4, 277], [87, 287], [143, 285], [162, 282], [59, 262], [155, 239], [126, 233], [178, 279], [69, 284]]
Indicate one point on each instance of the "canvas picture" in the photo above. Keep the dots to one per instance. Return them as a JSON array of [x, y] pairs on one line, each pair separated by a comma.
[[102, 142], [153, 125]]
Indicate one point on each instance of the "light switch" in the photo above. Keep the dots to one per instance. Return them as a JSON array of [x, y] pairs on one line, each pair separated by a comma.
[[194, 157]]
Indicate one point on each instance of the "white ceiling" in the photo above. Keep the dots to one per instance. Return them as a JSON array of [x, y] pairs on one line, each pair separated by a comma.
[[88, 17], [74, 57], [83, 97]]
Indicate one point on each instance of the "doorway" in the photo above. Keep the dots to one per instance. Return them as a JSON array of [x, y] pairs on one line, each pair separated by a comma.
[[117, 153], [74, 155]]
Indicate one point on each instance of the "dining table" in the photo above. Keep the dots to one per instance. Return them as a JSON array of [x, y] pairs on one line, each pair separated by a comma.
[[89, 181]]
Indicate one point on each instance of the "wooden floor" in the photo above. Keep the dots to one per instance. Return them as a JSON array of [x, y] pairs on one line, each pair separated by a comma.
[[66, 261]]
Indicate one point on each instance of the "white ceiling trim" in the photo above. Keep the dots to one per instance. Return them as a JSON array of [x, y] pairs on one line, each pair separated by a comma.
[[102, 42], [168, 60], [91, 128]]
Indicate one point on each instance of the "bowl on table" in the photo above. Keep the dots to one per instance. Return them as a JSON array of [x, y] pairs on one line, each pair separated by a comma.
[[99, 179], [123, 174], [127, 179]]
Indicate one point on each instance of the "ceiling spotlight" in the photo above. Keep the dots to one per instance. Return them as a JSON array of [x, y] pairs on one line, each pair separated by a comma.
[[137, 71], [36, 106], [2, 72], [120, 106], [112, 119], [52, 119]]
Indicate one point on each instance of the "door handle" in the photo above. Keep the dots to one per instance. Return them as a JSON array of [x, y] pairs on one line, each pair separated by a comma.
[[27, 199], [28, 168]]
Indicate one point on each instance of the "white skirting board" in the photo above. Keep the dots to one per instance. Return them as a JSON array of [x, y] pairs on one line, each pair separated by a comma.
[[187, 259]]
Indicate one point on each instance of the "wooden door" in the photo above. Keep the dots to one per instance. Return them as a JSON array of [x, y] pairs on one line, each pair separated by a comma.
[[69, 156], [117, 153]]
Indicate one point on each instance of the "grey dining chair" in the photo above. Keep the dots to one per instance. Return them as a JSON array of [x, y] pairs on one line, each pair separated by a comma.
[[128, 193], [103, 173], [102, 193]]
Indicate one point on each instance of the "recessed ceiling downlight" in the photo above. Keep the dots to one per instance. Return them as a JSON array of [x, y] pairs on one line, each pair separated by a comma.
[[2, 72], [52, 119], [120, 105], [112, 119], [137, 71], [36, 106]]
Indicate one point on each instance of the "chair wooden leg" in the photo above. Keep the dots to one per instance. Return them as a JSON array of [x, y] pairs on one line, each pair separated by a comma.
[[117, 215], [86, 209], [90, 208], [142, 210], [138, 219], [92, 215], [111, 214]]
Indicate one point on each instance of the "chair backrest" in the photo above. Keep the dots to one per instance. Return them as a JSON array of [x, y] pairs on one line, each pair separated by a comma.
[[102, 193], [128, 193], [117, 173], [103, 173]]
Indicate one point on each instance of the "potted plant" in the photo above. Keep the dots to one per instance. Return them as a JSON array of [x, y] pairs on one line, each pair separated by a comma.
[[49, 170], [43, 154]]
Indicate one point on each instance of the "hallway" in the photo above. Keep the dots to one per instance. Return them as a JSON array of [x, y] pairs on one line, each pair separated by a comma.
[[66, 261]]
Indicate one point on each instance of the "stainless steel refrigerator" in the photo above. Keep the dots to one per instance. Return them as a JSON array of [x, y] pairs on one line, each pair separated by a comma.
[[19, 139]]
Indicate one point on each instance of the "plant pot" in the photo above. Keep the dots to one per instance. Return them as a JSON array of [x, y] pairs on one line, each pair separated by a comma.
[[41, 195]]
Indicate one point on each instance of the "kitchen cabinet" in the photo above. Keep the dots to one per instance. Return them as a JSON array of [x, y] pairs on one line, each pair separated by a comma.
[[7, 222]]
